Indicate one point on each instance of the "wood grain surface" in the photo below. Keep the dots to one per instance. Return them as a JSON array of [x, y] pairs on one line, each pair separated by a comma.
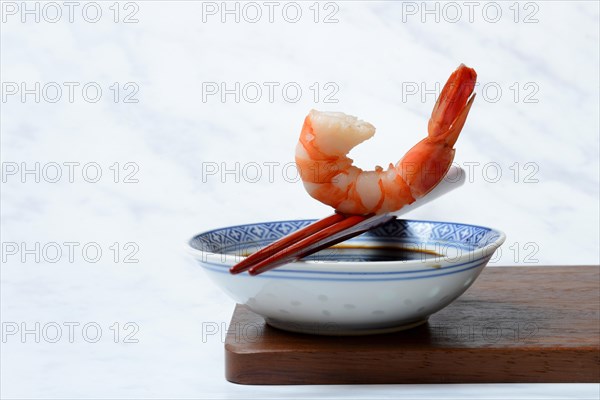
[[515, 324]]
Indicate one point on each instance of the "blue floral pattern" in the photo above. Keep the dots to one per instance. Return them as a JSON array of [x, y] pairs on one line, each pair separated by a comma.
[[260, 234]]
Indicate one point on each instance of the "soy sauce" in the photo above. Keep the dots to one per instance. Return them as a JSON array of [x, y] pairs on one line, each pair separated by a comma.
[[371, 253]]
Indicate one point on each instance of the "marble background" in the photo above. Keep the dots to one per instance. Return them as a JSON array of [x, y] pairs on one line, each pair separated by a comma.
[[190, 159]]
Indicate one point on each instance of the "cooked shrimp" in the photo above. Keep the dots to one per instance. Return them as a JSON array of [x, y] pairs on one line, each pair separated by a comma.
[[329, 176]]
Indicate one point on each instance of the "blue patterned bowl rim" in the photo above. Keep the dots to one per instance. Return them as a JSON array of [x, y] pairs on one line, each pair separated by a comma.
[[476, 244]]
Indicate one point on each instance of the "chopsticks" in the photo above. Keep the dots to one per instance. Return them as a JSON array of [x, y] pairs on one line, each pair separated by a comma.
[[317, 236], [289, 247], [332, 230]]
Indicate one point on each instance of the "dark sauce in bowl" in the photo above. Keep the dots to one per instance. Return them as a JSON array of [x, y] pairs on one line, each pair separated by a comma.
[[347, 252], [365, 253]]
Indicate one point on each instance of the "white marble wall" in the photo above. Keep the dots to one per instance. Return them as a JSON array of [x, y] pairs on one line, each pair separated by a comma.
[[536, 113]]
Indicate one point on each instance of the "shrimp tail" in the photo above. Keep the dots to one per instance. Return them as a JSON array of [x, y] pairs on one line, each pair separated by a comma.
[[426, 164], [450, 112]]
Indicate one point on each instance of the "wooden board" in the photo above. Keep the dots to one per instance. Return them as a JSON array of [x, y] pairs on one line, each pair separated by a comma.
[[515, 324]]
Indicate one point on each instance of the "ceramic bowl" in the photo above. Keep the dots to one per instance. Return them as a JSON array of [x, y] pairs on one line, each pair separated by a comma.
[[390, 278]]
